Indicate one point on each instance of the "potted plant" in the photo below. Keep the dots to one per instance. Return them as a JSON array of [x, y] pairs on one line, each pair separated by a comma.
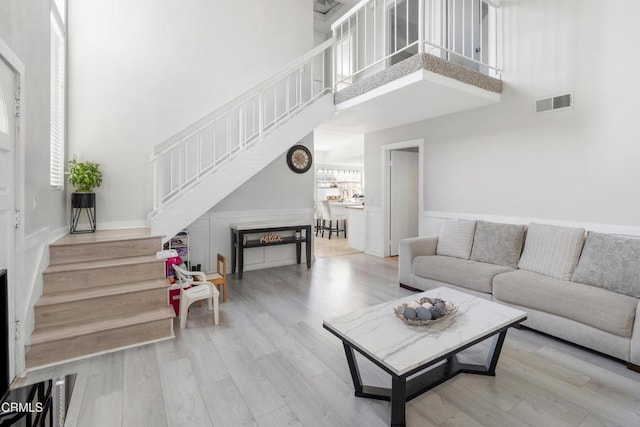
[[85, 177]]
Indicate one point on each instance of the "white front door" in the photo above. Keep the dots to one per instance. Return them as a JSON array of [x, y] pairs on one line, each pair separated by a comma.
[[7, 193], [404, 200]]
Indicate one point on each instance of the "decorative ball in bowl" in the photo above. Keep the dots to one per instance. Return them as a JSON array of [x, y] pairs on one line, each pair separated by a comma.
[[425, 311]]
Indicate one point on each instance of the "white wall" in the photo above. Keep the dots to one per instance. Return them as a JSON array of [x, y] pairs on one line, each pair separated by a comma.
[[24, 27], [577, 166], [142, 71], [275, 193]]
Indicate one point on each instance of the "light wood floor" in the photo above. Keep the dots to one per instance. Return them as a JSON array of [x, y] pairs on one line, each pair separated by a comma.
[[336, 246], [270, 363]]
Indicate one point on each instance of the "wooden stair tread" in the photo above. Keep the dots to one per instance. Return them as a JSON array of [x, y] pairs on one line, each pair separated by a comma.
[[105, 236], [55, 333], [99, 292], [88, 265]]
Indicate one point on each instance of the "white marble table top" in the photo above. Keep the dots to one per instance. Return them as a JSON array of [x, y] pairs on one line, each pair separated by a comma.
[[401, 347]]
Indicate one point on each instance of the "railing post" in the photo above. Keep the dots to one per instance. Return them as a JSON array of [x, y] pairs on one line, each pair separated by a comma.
[[261, 114], [213, 150], [421, 25], [154, 167], [334, 65], [241, 141]]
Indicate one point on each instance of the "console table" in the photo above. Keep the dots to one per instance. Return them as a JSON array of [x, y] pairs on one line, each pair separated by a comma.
[[244, 235]]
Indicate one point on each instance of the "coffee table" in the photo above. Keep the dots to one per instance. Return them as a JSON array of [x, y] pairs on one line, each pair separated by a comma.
[[403, 350]]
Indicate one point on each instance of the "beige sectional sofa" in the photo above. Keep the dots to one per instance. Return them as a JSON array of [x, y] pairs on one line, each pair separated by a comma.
[[581, 287]]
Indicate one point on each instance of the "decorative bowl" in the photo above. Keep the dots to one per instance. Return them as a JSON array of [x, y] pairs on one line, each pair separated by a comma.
[[450, 310]]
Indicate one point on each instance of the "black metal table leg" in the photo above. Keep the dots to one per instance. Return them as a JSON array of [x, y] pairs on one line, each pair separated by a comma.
[[353, 368], [308, 245], [233, 251], [240, 253], [299, 247], [398, 400]]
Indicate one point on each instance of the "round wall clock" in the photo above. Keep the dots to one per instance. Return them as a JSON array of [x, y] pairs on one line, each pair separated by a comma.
[[299, 158]]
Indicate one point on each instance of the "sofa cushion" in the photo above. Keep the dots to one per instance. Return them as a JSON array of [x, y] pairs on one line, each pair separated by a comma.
[[468, 274], [600, 308], [610, 262], [456, 238], [499, 244], [552, 250]]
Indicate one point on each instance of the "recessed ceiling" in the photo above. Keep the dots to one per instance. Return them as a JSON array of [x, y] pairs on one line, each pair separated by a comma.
[[326, 12], [324, 6]]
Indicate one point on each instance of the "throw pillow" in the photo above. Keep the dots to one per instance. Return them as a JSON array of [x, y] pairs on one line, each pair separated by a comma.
[[499, 244], [552, 250], [456, 238], [610, 262]]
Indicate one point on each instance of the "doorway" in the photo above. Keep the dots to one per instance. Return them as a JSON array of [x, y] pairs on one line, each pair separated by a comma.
[[11, 201], [403, 194]]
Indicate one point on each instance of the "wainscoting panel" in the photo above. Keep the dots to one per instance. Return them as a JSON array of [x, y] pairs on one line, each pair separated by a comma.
[[374, 238], [433, 221]]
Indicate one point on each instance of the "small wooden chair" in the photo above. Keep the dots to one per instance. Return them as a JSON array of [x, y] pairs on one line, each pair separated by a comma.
[[219, 277]]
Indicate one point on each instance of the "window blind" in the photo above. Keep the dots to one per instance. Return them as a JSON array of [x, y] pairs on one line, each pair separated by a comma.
[[57, 137]]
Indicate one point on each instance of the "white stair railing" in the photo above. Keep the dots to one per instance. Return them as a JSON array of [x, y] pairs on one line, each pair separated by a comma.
[[375, 34], [183, 160]]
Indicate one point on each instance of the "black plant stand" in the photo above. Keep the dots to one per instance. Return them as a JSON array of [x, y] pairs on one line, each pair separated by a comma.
[[80, 202]]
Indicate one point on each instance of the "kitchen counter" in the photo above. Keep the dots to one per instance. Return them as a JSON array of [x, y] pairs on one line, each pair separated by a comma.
[[355, 226]]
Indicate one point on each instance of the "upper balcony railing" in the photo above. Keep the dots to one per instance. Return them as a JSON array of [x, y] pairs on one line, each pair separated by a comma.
[[375, 34]]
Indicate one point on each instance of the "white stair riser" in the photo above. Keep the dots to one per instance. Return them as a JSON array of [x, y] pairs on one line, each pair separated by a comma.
[[104, 250], [102, 276], [99, 342], [99, 308]]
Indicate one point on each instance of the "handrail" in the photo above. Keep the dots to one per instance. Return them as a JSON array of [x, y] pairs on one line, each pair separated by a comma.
[[191, 155], [349, 13], [171, 142]]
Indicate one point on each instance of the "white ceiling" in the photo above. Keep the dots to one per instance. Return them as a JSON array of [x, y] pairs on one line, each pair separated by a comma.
[[322, 22], [337, 147], [419, 96]]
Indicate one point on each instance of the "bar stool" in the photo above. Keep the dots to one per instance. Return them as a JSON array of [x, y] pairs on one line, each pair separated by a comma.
[[317, 215], [328, 216]]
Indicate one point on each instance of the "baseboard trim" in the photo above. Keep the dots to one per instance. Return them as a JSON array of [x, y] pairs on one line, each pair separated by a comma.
[[633, 367], [410, 288]]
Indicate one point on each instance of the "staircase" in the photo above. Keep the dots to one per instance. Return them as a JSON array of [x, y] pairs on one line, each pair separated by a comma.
[[103, 291], [198, 167]]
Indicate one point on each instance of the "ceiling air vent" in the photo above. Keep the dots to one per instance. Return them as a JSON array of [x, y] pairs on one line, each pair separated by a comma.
[[554, 103]]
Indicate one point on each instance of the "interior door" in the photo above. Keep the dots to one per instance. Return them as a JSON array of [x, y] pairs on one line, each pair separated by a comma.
[[7, 196], [404, 197]]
